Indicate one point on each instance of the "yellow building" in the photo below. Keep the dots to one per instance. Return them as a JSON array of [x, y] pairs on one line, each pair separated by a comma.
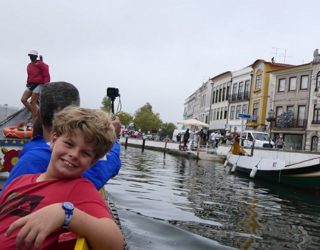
[[259, 92]]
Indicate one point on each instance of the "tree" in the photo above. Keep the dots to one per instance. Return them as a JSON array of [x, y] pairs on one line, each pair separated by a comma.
[[106, 104], [167, 130], [125, 118], [146, 120]]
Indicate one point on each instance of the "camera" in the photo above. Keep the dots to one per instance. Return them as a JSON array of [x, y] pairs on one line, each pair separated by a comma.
[[112, 93]]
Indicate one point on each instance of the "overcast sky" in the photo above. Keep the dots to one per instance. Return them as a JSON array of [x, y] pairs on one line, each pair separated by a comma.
[[156, 51]]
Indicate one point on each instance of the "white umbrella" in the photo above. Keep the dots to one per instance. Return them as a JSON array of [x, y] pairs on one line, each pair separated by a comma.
[[193, 122]]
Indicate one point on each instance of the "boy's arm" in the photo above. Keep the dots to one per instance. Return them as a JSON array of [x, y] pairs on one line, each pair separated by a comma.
[[103, 170], [101, 233]]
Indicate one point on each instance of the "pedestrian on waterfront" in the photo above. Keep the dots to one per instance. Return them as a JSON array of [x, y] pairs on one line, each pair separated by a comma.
[[35, 158], [38, 210], [279, 142], [186, 138], [213, 136], [179, 138], [38, 75]]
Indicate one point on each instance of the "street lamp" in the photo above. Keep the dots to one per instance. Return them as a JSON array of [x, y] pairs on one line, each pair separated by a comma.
[[271, 117]]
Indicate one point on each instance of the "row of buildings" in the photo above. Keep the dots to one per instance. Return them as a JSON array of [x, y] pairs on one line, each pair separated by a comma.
[[265, 92]]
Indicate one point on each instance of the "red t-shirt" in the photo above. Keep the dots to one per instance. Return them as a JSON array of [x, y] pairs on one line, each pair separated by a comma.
[[38, 72], [24, 196]]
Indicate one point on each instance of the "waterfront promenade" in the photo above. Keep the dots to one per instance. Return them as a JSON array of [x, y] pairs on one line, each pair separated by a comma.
[[173, 148]]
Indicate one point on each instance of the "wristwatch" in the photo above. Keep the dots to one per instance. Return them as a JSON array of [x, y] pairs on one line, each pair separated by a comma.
[[68, 209]]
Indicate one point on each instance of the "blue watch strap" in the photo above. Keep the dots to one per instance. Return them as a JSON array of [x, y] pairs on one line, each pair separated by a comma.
[[68, 209]]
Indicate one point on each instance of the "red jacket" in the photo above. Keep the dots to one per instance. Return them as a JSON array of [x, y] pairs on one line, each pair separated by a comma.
[[38, 72]]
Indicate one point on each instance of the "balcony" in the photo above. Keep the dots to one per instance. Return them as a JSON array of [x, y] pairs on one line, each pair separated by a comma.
[[242, 96], [315, 122], [293, 123]]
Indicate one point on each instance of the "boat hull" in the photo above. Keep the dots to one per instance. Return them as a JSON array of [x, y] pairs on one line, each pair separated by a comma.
[[304, 174]]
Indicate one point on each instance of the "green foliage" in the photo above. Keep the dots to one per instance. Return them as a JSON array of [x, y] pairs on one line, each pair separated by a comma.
[[125, 118], [106, 104], [167, 130], [146, 120]]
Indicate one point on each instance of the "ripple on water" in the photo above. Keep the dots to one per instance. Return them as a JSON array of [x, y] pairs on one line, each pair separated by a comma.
[[204, 200]]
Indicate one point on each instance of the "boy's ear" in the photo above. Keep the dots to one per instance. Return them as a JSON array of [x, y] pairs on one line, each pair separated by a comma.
[[53, 138]]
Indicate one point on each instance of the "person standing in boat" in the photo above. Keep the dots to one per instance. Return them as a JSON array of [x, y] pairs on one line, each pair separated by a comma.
[[38, 75]]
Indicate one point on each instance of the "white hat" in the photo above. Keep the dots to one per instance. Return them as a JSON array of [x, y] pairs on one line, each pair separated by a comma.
[[33, 52]]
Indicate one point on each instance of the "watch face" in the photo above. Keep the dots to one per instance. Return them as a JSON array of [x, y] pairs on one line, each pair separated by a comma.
[[68, 205]]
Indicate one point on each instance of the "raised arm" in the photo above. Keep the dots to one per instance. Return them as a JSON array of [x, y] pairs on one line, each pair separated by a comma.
[[104, 169]]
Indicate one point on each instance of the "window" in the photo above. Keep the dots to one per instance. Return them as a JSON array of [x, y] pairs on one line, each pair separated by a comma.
[[228, 92], [314, 143], [220, 91], [238, 110], [304, 82], [290, 108], [244, 109], [234, 90], [213, 95], [217, 114], [240, 90], [281, 85], [225, 113], [292, 83], [232, 112], [316, 115], [301, 115], [223, 93], [221, 113], [255, 110], [217, 93], [214, 114], [246, 89], [258, 82], [279, 111]]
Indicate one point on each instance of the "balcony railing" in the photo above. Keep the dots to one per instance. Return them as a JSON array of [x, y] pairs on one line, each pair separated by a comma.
[[242, 96], [293, 123], [315, 121]]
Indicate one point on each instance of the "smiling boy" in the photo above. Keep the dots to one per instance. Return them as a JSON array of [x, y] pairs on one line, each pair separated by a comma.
[[36, 209]]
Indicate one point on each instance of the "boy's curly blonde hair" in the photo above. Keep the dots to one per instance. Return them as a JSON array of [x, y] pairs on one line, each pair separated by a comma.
[[95, 125]]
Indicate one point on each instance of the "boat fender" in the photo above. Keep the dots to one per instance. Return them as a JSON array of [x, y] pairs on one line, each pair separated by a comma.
[[233, 169], [254, 171]]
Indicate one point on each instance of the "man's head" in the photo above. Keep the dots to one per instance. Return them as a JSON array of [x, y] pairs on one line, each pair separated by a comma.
[[54, 97], [95, 126], [33, 54]]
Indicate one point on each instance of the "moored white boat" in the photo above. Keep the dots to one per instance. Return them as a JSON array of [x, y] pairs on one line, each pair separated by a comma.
[[292, 168]]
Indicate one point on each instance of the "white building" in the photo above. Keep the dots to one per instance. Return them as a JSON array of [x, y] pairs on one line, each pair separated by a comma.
[[219, 101], [239, 98]]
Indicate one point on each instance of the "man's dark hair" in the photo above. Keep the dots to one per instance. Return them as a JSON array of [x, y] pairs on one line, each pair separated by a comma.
[[54, 97]]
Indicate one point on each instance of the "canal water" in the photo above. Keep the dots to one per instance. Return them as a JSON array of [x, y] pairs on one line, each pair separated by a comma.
[[168, 202]]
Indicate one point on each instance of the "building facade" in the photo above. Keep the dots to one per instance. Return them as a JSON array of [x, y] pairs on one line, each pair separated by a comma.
[[239, 98], [259, 94], [291, 94], [219, 102]]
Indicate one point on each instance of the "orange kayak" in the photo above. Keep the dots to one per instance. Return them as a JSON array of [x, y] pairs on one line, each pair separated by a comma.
[[21, 133]]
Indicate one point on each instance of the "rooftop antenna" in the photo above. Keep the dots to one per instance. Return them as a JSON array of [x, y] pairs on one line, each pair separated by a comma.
[[280, 52]]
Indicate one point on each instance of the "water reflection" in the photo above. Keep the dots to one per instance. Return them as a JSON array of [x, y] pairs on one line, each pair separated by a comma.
[[204, 200]]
